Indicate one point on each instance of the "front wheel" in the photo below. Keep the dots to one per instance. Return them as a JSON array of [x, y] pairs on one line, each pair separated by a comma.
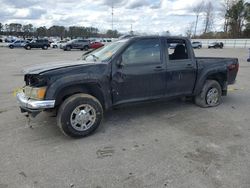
[[210, 95], [79, 115]]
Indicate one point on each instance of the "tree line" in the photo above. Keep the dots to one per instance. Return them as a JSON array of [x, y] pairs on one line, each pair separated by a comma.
[[234, 13], [26, 31]]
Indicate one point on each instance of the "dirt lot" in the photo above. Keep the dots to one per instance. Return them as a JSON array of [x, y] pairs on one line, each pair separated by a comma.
[[166, 144]]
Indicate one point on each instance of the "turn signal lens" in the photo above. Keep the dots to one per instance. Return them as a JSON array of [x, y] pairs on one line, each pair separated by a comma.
[[35, 92], [41, 93]]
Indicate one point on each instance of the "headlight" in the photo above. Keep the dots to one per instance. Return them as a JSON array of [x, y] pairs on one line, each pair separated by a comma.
[[35, 92]]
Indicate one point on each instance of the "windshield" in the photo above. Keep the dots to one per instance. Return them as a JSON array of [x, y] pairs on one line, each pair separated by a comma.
[[72, 41], [104, 53]]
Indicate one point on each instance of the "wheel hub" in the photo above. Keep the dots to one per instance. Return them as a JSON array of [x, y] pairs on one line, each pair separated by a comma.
[[212, 96], [83, 117]]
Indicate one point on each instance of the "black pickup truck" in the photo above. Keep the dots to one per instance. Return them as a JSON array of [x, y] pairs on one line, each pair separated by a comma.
[[125, 71], [38, 43]]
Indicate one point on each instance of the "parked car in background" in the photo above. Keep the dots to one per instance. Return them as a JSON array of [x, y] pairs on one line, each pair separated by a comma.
[[216, 45], [105, 41], [197, 45], [54, 44], [18, 44], [37, 43], [29, 39], [58, 44], [95, 45], [1, 40], [10, 39], [81, 44]]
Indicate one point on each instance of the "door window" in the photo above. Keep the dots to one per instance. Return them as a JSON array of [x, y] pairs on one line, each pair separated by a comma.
[[177, 49], [143, 51]]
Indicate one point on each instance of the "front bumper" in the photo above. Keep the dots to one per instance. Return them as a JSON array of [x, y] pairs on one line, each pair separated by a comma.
[[31, 105]]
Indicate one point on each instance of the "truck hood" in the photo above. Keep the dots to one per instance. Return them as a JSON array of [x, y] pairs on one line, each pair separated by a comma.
[[37, 69]]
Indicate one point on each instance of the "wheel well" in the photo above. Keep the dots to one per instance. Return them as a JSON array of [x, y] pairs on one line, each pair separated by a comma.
[[220, 78], [91, 89]]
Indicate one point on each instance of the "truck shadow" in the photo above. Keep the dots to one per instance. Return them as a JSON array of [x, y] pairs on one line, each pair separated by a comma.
[[136, 115], [119, 117]]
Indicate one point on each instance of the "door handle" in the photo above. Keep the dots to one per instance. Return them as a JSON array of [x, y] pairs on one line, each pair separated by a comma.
[[158, 68], [189, 65]]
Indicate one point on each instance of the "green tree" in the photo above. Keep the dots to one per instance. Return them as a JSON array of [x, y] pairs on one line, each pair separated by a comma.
[[112, 33], [237, 15], [15, 27], [28, 30], [41, 31], [57, 31], [247, 25], [1, 27]]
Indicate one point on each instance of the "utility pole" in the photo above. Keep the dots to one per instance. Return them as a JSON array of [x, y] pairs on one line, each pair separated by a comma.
[[131, 29], [112, 15]]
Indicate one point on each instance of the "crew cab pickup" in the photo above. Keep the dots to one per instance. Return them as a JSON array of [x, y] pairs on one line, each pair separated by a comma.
[[128, 70]]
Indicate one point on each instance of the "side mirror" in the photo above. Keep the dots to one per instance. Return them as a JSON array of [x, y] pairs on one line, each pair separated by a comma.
[[119, 62]]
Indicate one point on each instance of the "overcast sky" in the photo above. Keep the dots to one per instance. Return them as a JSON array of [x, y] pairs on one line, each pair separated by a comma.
[[150, 16]]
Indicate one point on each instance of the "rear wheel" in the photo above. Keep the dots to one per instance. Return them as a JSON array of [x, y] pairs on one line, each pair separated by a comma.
[[45, 47], [11, 46], [79, 115], [210, 95], [86, 48], [28, 48]]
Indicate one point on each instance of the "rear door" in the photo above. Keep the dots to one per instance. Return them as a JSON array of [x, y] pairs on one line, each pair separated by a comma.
[[142, 74], [181, 68], [75, 44]]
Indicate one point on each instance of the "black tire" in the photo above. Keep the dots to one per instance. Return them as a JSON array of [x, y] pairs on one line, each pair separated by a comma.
[[68, 48], [28, 47], [11, 46], [66, 112], [86, 48], [202, 99], [45, 47]]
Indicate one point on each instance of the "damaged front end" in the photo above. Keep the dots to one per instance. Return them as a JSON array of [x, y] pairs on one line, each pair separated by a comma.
[[31, 97]]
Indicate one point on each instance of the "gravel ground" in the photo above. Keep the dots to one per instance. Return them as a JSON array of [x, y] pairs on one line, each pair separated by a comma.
[[162, 144]]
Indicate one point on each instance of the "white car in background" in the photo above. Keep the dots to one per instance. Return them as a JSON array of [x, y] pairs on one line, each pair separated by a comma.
[[105, 41], [197, 45], [58, 44]]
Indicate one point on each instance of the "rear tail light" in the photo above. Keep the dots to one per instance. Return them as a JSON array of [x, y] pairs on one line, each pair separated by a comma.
[[233, 67]]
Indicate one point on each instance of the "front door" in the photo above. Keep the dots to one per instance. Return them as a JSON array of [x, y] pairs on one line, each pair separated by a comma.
[[142, 73]]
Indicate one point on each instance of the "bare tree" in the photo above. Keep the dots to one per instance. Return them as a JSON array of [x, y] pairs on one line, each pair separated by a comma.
[[226, 5], [198, 9], [209, 16], [189, 29]]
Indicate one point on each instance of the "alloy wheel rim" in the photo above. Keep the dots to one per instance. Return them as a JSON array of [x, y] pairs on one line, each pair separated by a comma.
[[83, 117], [212, 97]]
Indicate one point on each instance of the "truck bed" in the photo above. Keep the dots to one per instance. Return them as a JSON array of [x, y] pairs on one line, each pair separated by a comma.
[[231, 64]]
